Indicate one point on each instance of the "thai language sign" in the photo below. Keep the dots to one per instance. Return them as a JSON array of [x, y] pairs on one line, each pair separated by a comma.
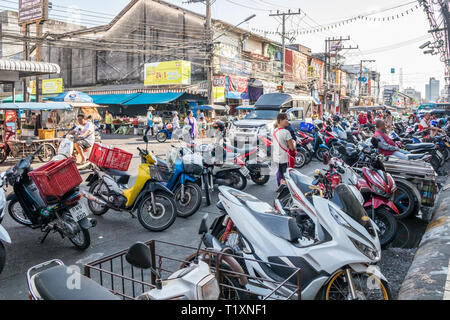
[[167, 72], [32, 10]]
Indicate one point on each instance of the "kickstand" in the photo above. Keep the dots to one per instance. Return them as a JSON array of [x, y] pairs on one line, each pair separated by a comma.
[[45, 235], [133, 216]]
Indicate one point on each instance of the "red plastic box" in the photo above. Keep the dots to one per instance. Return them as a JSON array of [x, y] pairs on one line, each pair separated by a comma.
[[110, 158]]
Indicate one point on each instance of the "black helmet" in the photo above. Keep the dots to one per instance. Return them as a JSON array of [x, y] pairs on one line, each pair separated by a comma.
[[336, 118]]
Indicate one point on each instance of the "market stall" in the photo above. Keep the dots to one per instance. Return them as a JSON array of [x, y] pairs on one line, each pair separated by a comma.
[[25, 126]]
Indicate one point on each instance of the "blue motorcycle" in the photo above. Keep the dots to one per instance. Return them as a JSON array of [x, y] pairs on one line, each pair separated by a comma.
[[165, 133], [318, 148], [181, 174]]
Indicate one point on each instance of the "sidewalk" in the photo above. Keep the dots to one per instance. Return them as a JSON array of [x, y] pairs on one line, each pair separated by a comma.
[[429, 275]]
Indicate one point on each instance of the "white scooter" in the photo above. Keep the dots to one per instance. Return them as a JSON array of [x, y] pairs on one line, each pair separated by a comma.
[[4, 236], [66, 150], [195, 282], [335, 256]]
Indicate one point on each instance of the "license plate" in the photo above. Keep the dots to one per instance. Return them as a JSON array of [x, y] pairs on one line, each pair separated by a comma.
[[79, 212], [244, 171]]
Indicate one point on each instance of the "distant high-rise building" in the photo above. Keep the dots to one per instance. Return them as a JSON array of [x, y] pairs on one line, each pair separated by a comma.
[[432, 90], [413, 93]]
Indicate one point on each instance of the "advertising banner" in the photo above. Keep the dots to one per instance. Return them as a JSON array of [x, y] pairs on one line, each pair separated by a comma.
[[316, 71], [167, 73], [219, 83], [51, 86], [236, 87]]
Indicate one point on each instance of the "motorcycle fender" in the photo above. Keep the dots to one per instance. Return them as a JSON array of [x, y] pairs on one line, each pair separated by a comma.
[[150, 187], [186, 177], [361, 268], [91, 179], [4, 236], [413, 188], [87, 223], [323, 146], [378, 202]]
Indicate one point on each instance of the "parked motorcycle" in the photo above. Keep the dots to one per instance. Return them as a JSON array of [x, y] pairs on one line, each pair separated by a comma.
[[4, 236], [153, 201], [66, 215], [194, 282], [341, 230], [165, 133]]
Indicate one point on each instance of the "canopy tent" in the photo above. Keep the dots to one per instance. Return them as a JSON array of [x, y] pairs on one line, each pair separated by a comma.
[[153, 98], [113, 99], [73, 96], [36, 106], [210, 107]]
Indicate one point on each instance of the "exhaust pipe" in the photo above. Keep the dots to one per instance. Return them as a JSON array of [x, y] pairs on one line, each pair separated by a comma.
[[223, 182], [93, 198]]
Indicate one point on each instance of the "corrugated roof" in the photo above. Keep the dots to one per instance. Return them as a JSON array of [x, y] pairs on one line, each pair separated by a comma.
[[29, 68]]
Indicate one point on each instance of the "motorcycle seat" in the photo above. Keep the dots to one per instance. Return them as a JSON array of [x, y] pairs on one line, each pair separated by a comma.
[[418, 146], [51, 284], [280, 226], [418, 156]]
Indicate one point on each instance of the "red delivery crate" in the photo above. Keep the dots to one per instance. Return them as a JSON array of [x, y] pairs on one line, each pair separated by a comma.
[[110, 158], [56, 178]]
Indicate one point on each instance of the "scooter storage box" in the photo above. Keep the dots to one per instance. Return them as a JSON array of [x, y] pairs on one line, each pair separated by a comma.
[[109, 157], [56, 178], [193, 164]]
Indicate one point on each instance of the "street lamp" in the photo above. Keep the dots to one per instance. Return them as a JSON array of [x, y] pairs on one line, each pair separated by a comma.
[[426, 44]]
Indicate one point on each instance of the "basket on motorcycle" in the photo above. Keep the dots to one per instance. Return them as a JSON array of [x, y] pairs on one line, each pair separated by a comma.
[[56, 178], [110, 158], [193, 164]]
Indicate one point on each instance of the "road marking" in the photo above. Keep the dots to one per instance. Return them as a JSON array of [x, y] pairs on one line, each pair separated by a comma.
[[447, 284]]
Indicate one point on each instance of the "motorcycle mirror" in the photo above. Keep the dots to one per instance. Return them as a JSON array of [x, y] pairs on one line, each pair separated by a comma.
[[139, 256], [326, 158], [203, 227]]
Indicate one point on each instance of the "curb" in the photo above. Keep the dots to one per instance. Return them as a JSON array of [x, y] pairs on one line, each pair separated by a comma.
[[428, 277]]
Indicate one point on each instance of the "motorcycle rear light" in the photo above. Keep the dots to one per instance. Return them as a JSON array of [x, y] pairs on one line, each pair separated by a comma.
[[73, 200]]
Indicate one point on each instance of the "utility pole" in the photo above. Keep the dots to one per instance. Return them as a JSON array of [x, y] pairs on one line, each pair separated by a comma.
[[284, 16], [360, 78], [327, 68]]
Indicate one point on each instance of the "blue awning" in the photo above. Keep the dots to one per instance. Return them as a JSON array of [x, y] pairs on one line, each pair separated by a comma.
[[36, 106], [153, 98], [208, 107], [108, 99]]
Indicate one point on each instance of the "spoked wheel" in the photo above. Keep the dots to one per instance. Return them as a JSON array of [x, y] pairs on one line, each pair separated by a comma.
[[162, 216], [17, 213], [81, 239], [188, 204], [300, 159], [161, 137], [367, 286], [239, 180], [96, 189], [47, 153]]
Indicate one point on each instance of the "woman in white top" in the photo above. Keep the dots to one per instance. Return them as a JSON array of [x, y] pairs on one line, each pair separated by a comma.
[[192, 122], [282, 144], [175, 121]]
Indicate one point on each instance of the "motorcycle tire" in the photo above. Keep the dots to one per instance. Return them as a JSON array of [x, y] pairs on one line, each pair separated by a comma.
[[385, 221], [262, 179], [320, 153], [165, 207], [309, 156], [85, 240], [3, 155], [161, 137], [242, 179], [2, 257], [47, 153], [405, 201], [21, 219], [300, 159], [181, 206], [96, 211]]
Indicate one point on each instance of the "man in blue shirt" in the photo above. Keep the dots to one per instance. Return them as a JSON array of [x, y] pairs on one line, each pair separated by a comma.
[[150, 121]]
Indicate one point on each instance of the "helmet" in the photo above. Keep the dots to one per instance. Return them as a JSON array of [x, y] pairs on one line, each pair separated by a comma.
[[336, 118]]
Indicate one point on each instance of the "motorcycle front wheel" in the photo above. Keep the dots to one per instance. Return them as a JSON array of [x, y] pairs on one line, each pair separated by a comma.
[[162, 216], [300, 158], [161, 137], [47, 153], [96, 208], [190, 203], [239, 180], [257, 177], [16, 212], [385, 221], [368, 287]]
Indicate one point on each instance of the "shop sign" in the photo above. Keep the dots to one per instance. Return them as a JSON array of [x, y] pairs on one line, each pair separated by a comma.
[[167, 73], [219, 83], [32, 10]]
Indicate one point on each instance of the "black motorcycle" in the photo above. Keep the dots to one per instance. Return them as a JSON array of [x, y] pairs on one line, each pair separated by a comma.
[[65, 215]]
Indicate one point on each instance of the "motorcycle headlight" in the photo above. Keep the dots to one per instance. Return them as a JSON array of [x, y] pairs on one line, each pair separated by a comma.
[[379, 191], [339, 219], [369, 252], [209, 288]]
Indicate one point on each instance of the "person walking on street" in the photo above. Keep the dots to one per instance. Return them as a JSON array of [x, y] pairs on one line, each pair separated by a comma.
[[150, 121], [283, 147], [389, 121], [108, 122], [175, 121], [192, 122]]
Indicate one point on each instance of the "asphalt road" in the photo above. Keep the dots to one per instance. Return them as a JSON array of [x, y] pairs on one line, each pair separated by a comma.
[[115, 231]]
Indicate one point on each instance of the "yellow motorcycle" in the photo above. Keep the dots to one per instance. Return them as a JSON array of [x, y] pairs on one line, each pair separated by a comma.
[[154, 203]]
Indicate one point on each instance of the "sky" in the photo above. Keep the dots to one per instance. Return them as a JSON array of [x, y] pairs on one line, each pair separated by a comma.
[[393, 44]]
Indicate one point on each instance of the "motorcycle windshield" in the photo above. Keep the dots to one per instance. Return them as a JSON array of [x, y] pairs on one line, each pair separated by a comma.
[[346, 200]]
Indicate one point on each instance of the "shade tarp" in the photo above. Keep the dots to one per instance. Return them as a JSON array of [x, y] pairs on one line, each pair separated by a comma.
[[36, 106], [153, 98], [19, 98], [108, 99]]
